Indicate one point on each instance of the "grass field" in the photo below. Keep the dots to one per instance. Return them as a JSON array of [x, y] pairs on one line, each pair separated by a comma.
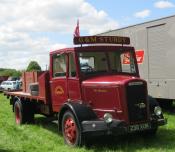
[[43, 137]]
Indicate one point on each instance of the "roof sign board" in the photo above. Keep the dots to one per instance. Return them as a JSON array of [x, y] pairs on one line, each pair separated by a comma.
[[101, 40]]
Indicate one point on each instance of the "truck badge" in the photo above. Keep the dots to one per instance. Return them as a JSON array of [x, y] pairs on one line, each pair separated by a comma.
[[59, 90], [140, 105]]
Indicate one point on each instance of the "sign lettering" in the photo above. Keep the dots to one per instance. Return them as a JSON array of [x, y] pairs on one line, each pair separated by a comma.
[[101, 39]]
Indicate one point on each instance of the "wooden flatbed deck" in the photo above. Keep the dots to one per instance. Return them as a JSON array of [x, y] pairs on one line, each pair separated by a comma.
[[24, 95]]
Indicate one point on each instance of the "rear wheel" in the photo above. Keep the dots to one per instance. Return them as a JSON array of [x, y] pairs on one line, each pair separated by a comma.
[[23, 112], [71, 130], [18, 113]]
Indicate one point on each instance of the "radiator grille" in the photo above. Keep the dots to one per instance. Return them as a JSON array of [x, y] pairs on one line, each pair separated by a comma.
[[136, 100]]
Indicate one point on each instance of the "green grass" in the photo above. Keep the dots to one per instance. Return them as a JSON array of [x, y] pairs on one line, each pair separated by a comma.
[[43, 137]]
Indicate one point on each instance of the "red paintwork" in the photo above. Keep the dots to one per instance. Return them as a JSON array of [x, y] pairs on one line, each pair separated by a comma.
[[104, 93], [140, 56], [29, 77], [25, 95], [107, 94], [108, 80], [44, 91], [70, 130], [58, 99], [74, 89]]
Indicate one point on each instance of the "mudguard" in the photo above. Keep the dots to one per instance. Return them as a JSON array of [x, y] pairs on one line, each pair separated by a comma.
[[13, 100], [80, 111], [152, 103]]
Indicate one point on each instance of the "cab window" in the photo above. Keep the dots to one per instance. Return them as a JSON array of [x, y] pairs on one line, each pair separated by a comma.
[[72, 67], [59, 65], [93, 62], [103, 62]]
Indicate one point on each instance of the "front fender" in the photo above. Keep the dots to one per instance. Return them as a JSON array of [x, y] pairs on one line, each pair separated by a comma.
[[80, 111]]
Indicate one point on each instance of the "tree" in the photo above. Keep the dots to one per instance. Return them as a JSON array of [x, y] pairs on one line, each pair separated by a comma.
[[10, 72], [33, 66], [17, 74]]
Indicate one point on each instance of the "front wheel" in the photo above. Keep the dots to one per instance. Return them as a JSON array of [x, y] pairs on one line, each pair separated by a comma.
[[71, 130], [150, 132]]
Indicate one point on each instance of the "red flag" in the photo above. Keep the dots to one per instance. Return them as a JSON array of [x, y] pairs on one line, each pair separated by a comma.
[[77, 31]]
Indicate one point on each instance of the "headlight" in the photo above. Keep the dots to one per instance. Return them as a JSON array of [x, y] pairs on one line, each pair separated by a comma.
[[107, 117], [157, 110]]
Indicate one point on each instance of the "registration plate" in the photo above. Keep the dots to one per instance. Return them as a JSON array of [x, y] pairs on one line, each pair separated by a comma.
[[139, 127]]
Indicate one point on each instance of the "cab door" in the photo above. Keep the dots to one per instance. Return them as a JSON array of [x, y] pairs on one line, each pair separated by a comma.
[[74, 88], [58, 83]]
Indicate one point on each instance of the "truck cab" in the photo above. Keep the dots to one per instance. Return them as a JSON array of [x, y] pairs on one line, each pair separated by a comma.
[[94, 89]]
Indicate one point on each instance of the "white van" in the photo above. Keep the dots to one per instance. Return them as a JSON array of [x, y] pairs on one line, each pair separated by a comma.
[[9, 85]]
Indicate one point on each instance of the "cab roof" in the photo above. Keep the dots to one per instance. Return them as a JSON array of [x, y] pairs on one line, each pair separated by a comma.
[[93, 48], [93, 43]]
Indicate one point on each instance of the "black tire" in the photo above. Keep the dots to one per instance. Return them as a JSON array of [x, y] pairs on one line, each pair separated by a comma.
[[150, 132], [152, 103], [71, 130], [24, 112]]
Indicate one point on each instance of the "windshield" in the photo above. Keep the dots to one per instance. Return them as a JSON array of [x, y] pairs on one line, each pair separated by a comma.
[[3, 83], [104, 62]]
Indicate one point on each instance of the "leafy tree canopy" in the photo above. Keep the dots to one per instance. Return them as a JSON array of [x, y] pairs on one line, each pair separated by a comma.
[[10, 72], [33, 66]]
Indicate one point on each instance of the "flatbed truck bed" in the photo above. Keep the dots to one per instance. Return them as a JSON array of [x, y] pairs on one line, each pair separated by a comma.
[[24, 95]]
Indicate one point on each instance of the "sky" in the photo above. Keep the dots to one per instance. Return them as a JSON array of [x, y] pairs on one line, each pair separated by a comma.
[[29, 30]]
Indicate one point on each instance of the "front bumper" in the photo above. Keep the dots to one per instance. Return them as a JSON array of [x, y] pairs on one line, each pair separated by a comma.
[[117, 127]]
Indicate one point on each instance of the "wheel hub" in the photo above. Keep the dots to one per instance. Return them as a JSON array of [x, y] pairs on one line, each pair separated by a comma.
[[17, 115], [70, 130]]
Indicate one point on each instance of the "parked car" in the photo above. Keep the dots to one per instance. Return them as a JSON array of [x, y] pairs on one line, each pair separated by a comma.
[[13, 79], [9, 85]]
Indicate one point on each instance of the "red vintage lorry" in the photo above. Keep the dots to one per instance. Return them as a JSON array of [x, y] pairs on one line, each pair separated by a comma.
[[94, 89]]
